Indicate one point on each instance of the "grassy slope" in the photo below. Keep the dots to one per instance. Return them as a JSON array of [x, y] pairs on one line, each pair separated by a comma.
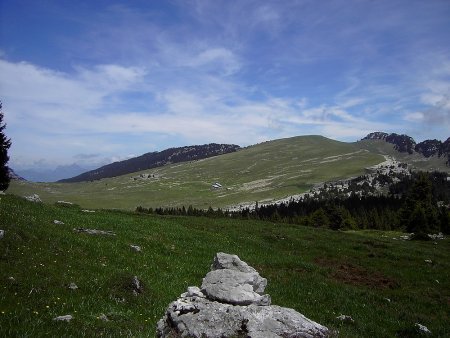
[[273, 169], [418, 161], [302, 266]]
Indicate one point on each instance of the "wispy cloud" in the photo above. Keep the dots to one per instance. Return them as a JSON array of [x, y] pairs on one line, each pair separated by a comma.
[[235, 72]]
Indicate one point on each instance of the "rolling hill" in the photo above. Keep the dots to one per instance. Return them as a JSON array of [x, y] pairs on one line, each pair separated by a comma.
[[263, 172]]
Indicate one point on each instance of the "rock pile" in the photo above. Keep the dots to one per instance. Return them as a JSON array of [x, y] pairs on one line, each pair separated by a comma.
[[33, 198], [232, 303]]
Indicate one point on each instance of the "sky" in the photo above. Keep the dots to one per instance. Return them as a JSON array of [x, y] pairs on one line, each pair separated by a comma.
[[91, 82]]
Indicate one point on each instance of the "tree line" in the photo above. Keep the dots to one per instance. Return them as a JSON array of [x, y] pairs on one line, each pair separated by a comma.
[[418, 203]]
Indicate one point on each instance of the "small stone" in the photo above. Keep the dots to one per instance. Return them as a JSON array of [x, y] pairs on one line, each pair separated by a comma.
[[86, 210], [136, 286], [422, 328], [345, 319], [387, 300], [2, 234], [103, 317], [94, 231], [66, 318], [58, 222], [136, 248], [72, 286], [429, 261], [64, 202]]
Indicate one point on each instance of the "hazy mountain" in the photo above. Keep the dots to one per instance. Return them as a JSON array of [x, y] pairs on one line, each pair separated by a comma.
[[51, 175], [155, 159], [14, 176]]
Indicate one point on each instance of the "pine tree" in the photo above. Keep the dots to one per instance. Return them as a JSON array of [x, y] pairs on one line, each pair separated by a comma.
[[5, 143]]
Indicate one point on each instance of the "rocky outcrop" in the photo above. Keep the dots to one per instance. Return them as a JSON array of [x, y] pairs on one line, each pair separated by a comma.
[[232, 303], [406, 144], [402, 143]]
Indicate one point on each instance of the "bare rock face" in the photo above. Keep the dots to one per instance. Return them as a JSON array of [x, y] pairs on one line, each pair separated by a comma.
[[232, 303]]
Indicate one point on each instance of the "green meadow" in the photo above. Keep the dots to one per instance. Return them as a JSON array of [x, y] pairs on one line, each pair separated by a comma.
[[383, 283], [264, 172]]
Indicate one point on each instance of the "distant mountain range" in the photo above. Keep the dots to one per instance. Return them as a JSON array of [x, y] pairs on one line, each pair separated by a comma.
[[153, 160], [51, 175], [406, 144]]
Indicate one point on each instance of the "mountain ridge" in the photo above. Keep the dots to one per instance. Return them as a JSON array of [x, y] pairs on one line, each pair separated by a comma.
[[406, 144], [153, 160]]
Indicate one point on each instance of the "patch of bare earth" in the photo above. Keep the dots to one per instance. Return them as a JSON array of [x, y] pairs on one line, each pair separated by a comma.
[[356, 275]]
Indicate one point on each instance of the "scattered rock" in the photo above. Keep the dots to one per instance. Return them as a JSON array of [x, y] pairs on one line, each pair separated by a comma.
[[94, 231], [33, 198], [12, 279], [64, 203], [429, 261], [136, 286], [2, 234], [422, 328], [103, 317], [406, 237], [345, 319], [66, 318], [436, 236], [135, 247], [58, 222], [387, 300], [86, 210], [72, 286], [222, 308]]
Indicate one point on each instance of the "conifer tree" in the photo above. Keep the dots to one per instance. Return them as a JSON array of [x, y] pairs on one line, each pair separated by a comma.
[[5, 143]]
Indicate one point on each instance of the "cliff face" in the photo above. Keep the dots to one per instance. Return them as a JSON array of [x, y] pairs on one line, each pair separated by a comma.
[[402, 143]]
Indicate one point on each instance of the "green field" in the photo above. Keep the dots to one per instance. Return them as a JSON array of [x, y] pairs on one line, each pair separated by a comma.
[[318, 272], [264, 172]]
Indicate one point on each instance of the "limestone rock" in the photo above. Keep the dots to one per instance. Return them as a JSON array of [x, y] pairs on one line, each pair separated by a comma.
[[345, 318], [72, 286], [136, 286], [103, 318], [231, 303], [94, 231], [58, 222], [235, 287], [66, 318], [422, 328], [136, 248], [2, 234], [33, 198], [234, 281]]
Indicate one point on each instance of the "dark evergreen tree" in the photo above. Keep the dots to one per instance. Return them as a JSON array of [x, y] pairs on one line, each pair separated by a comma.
[[5, 143]]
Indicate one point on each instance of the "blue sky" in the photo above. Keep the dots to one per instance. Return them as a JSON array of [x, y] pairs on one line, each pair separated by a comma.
[[96, 81]]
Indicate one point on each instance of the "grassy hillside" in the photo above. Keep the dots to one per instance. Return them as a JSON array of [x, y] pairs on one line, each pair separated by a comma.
[[266, 171], [416, 160], [320, 273]]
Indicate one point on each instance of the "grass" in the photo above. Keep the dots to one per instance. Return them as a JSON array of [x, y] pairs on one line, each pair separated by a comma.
[[267, 171], [318, 272]]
